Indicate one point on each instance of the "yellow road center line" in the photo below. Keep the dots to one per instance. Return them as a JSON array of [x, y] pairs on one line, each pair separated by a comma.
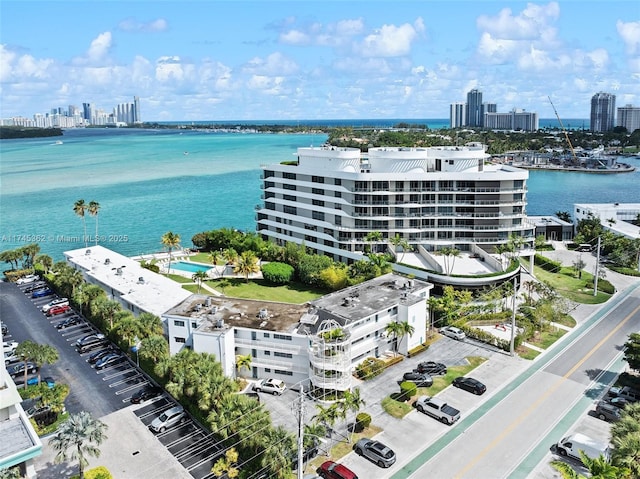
[[542, 398]]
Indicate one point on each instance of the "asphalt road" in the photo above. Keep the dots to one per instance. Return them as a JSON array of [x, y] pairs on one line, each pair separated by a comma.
[[496, 443]]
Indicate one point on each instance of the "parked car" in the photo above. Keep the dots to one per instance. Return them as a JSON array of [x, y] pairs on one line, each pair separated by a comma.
[[72, 321], [617, 402], [98, 355], [437, 408], [90, 342], [4, 328], [626, 392], [420, 380], [309, 453], [453, 332], [60, 309], [35, 287], [9, 346], [469, 384], [169, 418], [432, 368], [271, 385], [375, 451], [49, 381], [11, 357], [35, 410], [18, 369], [607, 412], [108, 360], [30, 278], [333, 470], [55, 302], [147, 392], [41, 293]]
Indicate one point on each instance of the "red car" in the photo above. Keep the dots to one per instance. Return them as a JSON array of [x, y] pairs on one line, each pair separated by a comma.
[[333, 470], [61, 309]]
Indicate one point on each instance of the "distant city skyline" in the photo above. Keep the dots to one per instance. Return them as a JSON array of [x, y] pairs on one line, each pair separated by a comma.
[[285, 60]]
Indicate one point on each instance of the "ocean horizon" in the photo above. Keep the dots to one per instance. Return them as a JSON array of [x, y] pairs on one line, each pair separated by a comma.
[[149, 182]]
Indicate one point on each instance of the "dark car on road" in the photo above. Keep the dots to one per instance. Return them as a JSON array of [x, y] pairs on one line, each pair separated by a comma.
[[147, 392], [432, 368], [41, 293], [108, 360], [89, 342], [98, 355], [420, 380], [18, 369], [72, 321], [35, 287], [375, 451], [607, 412], [469, 384]]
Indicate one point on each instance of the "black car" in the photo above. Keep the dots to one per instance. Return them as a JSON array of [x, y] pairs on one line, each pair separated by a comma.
[[72, 321], [432, 368], [91, 341], [98, 355], [420, 380], [35, 286], [108, 360], [308, 453], [4, 328], [147, 392], [469, 384], [18, 369]]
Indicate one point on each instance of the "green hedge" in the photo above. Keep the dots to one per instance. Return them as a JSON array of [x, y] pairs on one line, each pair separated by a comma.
[[417, 350], [626, 271], [603, 285], [277, 273], [370, 368], [547, 264], [363, 420], [99, 472], [408, 389], [489, 338]]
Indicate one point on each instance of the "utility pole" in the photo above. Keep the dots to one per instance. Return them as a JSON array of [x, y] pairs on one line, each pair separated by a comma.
[[300, 413], [512, 349], [597, 271]]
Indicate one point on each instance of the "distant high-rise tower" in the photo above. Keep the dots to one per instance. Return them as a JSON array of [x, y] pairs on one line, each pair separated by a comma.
[[629, 117], [136, 110], [603, 112], [474, 108], [457, 115]]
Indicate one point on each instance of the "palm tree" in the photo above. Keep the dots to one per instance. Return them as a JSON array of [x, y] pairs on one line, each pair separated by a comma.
[[247, 264], [82, 433], [170, 240], [214, 257], [79, 208], [280, 446], [564, 216], [45, 354], [226, 466], [405, 329], [353, 402], [243, 362], [150, 324], [230, 255], [27, 351], [450, 254], [128, 328], [399, 242], [94, 208], [154, 348], [393, 329], [45, 261], [627, 453], [372, 237], [199, 277], [107, 310]]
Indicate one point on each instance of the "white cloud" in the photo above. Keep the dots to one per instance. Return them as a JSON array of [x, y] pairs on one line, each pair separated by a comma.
[[274, 64], [265, 84], [530, 24], [99, 48], [390, 40], [295, 37], [630, 34], [132, 25]]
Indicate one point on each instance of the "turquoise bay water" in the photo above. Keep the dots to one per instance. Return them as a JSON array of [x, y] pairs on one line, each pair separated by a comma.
[[151, 182]]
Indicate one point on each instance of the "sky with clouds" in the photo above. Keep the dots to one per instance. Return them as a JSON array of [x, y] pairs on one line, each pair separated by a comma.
[[335, 59]]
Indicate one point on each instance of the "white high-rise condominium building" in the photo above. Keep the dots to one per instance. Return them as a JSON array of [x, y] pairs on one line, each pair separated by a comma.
[[603, 111], [457, 115], [516, 119], [629, 117], [332, 198]]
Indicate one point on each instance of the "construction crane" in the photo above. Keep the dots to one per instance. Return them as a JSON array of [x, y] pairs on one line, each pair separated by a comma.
[[566, 135]]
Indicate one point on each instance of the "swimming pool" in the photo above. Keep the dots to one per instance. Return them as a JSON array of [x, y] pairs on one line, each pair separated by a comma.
[[190, 267]]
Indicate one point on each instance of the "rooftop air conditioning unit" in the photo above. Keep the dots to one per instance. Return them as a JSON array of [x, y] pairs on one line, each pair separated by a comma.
[[140, 280], [107, 261], [207, 302], [88, 252], [263, 313], [118, 271]]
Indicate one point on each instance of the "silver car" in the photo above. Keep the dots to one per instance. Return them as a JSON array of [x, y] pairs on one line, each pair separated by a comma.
[[453, 332], [375, 451], [169, 418]]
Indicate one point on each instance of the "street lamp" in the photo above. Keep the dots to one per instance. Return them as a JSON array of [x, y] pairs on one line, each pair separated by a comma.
[[136, 349]]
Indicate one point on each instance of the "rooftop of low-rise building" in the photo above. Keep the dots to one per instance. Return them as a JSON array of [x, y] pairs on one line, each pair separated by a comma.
[[149, 291], [547, 220]]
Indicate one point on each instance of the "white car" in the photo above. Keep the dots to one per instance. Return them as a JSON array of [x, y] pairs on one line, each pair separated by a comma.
[[55, 302], [272, 386], [9, 346], [30, 278], [453, 332]]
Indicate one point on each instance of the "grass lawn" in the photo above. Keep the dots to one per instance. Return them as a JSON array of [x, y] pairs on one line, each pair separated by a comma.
[[527, 353], [399, 409], [179, 279], [342, 448], [202, 258], [296, 293], [567, 285], [547, 338]]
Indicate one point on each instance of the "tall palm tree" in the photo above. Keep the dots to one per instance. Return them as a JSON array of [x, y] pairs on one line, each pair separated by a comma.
[[214, 256], [154, 348], [280, 446], [45, 354], [199, 277], [83, 434], [128, 328], [107, 310], [27, 351], [450, 254], [393, 329], [372, 237], [94, 208], [247, 264], [150, 324], [79, 208], [45, 261], [399, 242], [353, 402], [170, 240]]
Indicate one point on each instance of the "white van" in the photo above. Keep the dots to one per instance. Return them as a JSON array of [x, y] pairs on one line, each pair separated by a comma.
[[574, 443]]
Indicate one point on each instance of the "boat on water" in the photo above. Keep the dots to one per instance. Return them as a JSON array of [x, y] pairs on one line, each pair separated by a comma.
[[594, 161], [59, 142]]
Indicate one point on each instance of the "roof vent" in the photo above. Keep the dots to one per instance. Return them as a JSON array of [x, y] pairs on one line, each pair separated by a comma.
[[118, 271], [263, 314], [140, 280], [88, 252], [107, 261], [207, 302], [220, 323]]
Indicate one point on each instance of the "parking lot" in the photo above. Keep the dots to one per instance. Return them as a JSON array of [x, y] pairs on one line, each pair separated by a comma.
[[100, 391]]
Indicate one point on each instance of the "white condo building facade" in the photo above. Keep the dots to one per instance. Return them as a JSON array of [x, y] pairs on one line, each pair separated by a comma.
[[295, 342], [331, 198]]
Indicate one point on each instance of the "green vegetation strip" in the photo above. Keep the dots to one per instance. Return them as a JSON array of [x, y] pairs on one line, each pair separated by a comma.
[[571, 287], [262, 290], [418, 461]]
